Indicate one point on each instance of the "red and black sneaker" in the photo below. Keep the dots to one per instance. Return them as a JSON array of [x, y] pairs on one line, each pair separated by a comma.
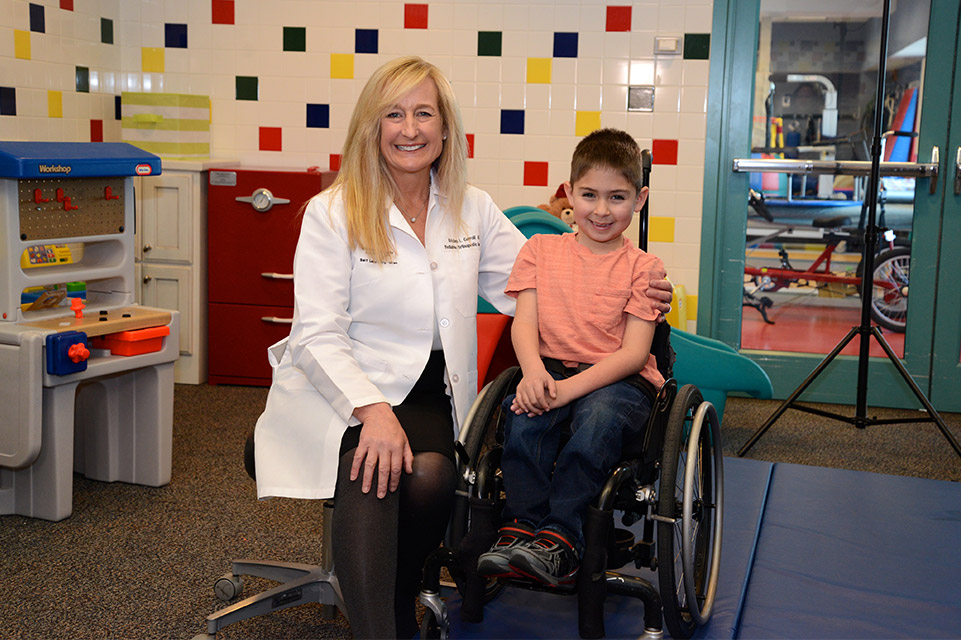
[[495, 563], [550, 559]]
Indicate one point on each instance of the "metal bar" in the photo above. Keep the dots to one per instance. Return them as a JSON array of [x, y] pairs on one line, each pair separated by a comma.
[[834, 167]]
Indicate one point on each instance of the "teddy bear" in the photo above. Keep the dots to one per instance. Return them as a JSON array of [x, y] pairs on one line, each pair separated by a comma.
[[560, 207]]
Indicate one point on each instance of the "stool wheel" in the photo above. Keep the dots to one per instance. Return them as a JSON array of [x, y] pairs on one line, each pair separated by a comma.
[[228, 587]]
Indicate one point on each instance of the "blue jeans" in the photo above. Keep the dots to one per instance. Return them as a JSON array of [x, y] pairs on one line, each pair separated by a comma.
[[551, 489]]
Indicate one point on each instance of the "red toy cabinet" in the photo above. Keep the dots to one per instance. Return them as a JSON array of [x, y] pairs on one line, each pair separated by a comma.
[[253, 222]]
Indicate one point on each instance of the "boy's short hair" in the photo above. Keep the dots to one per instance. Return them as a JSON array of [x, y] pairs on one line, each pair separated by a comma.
[[610, 148]]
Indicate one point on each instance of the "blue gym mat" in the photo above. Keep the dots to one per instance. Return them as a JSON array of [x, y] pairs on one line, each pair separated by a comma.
[[808, 552]]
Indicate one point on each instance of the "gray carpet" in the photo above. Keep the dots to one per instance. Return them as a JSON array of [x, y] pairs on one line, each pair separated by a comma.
[[139, 562]]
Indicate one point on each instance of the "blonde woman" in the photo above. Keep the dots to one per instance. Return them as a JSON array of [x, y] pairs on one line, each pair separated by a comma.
[[380, 367]]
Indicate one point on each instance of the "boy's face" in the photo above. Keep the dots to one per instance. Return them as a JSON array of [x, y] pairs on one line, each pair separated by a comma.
[[604, 203]]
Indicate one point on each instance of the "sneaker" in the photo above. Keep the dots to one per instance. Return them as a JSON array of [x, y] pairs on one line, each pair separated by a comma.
[[549, 559], [495, 563]]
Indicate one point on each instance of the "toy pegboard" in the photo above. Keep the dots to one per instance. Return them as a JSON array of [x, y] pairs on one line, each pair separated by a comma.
[[70, 207]]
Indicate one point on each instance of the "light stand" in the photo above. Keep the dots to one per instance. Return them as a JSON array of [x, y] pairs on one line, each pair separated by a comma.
[[865, 330]]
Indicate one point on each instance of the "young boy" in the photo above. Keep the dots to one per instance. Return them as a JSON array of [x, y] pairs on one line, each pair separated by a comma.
[[582, 334]]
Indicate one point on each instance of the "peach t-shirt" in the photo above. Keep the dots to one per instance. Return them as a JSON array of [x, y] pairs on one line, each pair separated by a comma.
[[582, 297]]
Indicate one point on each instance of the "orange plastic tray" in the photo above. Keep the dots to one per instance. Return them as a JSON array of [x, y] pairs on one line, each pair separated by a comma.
[[134, 342]]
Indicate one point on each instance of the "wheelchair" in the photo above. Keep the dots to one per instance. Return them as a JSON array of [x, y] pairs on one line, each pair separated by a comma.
[[669, 483]]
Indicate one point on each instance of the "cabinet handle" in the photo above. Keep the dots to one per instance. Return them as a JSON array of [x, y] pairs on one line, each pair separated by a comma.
[[957, 172], [147, 248], [147, 279], [276, 320], [278, 276]]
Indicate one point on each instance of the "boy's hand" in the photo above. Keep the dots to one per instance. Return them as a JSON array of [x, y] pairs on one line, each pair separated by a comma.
[[535, 394]]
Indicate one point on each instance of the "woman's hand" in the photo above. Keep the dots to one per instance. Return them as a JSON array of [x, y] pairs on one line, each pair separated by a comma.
[[382, 450], [661, 292], [535, 393]]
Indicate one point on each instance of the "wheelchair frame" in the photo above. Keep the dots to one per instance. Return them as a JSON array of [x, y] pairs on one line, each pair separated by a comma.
[[677, 451]]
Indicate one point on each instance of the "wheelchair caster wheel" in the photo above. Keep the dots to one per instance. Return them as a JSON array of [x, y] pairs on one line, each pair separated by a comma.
[[228, 587], [430, 629]]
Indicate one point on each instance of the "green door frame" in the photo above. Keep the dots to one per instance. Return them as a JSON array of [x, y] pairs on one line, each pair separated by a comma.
[[730, 111]]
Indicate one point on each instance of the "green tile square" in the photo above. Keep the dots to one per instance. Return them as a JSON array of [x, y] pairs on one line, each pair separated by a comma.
[[295, 38], [697, 46], [106, 30], [247, 88], [83, 79], [488, 43]]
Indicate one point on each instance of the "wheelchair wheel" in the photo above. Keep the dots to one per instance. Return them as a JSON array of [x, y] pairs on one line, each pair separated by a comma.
[[690, 501]]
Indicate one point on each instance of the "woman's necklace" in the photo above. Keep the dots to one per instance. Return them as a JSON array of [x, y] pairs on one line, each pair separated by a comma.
[[420, 210]]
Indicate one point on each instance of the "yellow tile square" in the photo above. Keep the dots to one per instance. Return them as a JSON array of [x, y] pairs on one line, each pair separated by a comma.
[[587, 121], [21, 44], [152, 60], [661, 229], [692, 308], [55, 104], [342, 65], [539, 70]]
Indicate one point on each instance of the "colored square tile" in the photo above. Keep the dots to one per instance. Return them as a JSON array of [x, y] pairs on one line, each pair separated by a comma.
[[318, 115], [246, 87], [697, 46], [55, 104], [470, 145], [535, 174], [342, 65], [365, 40], [512, 121], [565, 45], [489, 43], [664, 152], [691, 307], [66, 5], [96, 131], [175, 35], [415, 16], [38, 22], [586, 121], [539, 70], [335, 162], [117, 103], [21, 44], [106, 30], [222, 11], [152, 59], [618, 18], [660, 229], [295, 38], [82, 79], [271, 139], [8, 101]]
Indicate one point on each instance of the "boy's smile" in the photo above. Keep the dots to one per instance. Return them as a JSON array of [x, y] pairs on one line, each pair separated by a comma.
[[604, 204]]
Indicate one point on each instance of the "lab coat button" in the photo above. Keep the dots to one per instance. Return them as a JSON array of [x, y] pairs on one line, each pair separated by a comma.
[[444, 322], [455, 378], [433, 266]]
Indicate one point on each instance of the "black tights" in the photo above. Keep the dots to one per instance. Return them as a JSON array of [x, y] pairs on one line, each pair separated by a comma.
[[380, 544]]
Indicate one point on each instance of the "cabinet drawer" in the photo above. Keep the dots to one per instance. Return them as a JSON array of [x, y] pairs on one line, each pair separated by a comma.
[[238, 341]]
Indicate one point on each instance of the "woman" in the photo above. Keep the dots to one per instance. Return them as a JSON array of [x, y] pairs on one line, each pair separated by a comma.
[[380, 366]]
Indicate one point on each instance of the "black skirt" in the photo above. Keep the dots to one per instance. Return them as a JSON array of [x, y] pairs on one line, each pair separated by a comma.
[[425, 414]]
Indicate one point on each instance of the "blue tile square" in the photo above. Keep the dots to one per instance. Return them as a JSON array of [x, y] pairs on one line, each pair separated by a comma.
[[365, 40], [512, 121], [565, 45], [106, 30], [8, 101], [318, 116], [116, 108], [38, 22], [175, 35]]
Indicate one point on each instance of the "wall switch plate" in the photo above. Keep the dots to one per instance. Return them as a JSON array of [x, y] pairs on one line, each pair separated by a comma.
[[667, 45]]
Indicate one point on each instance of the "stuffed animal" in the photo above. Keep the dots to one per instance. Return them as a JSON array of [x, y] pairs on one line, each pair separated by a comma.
[[560, 207]]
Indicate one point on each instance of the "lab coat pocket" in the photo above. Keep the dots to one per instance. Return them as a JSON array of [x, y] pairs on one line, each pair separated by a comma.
[[608, 305]]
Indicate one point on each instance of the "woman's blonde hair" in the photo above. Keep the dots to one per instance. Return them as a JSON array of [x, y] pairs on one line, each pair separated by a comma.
[[364, 179]]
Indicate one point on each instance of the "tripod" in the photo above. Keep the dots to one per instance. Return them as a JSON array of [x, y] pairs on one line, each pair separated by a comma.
[[865, 331]]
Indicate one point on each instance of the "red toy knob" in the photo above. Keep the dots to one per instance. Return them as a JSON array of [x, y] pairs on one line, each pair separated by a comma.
[[67, 206], [38, 197], [78, 352], [108, 194]]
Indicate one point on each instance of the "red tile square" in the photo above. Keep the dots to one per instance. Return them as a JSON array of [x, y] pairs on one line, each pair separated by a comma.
[[470, 145], [222, 11], [535, 174], [664, 152], [66, 5], [618, 18], [415, 16], [96, 131], [270, 139], [335, 162]]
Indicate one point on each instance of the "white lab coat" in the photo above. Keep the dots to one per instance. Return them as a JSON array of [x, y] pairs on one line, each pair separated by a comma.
[[362, 331]]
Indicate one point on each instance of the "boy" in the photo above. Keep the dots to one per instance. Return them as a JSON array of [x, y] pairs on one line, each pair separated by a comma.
[[582, 334]]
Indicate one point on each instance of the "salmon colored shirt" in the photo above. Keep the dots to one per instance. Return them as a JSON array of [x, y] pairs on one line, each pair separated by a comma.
[[582, 297]]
